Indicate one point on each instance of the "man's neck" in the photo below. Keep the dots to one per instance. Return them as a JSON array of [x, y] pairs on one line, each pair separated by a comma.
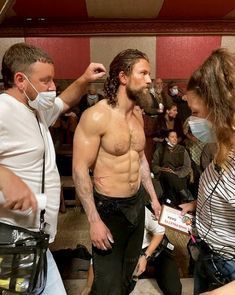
[[15, 93], [125, 104]]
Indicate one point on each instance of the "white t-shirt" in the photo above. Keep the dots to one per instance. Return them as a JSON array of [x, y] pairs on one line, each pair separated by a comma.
[[152, 227], [21, 151]]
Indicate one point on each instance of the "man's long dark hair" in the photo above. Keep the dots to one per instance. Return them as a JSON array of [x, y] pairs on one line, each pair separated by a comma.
[[124, 61]]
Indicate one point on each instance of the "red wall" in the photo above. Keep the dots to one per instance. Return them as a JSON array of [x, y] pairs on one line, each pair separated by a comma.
[[71, 55], [178, 57]]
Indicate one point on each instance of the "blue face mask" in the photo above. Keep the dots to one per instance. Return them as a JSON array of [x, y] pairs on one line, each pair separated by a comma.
[[202, 129]]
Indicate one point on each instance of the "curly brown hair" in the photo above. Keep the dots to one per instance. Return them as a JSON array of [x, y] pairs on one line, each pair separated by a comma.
[[214, 83], [124, 61]]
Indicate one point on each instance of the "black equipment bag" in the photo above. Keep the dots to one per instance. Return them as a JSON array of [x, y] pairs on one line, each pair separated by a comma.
[[23, 263]]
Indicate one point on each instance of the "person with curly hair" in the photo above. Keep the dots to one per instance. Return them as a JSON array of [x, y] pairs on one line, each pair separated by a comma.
[[211, 96], [110, 141]]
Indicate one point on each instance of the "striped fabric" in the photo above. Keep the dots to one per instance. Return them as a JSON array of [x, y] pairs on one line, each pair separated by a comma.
[[216, 208]]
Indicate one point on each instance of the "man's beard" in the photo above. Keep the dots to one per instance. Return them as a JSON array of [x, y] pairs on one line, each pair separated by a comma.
[[137, 96]]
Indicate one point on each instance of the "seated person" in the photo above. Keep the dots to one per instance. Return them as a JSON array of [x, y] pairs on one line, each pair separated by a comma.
[[165, 268], [89, 99], [161, 96], [194, 146], [171, 164], [168, 120], [178, 98]]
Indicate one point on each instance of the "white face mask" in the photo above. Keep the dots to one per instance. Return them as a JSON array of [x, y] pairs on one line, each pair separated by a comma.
[[171, 144], [92, 96], [44, 100], [202, 129], [174, 91]]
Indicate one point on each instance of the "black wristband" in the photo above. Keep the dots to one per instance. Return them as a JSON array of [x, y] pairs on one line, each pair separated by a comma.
[[147, 257]]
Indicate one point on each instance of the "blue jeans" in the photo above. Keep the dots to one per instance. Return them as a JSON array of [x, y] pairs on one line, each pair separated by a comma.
[[113, 268], [212, 271], [54, 284]]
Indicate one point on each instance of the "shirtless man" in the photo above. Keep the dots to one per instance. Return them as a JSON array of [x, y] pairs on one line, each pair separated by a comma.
[[110, 140]]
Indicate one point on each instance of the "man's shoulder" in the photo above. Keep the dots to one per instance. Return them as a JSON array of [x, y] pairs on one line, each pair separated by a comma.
[[96, 115], [6, 102]]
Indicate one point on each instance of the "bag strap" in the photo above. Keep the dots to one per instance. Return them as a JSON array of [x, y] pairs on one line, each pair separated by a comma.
[[42, 213]]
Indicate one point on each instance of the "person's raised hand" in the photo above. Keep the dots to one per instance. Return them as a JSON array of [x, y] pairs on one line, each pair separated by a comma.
[[94, 71]]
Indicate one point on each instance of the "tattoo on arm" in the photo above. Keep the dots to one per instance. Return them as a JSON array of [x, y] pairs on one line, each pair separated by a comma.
[[84, 189], [146, 178]]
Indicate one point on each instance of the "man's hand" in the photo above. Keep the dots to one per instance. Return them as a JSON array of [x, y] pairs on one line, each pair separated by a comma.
[[156, 208], [94, 71], [101, 236], [17, 194]]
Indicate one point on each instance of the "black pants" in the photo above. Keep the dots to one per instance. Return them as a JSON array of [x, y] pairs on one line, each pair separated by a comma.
[[174, 188], [166, 274], [212, 270], [125, 219]]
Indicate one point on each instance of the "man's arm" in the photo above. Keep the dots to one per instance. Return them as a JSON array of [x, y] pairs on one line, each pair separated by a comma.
[[17, 195], [73, 93], [148, 185], [85, 149]]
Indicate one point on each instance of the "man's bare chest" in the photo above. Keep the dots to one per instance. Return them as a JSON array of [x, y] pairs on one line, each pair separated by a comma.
[[122, 137]]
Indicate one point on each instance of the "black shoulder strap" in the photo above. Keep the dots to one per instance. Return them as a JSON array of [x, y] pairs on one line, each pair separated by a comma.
[[42, 213]]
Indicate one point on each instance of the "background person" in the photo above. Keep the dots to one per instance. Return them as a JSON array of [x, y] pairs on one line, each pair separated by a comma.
[[89, 99], [178, 98], [110, 140], [28, 106], [169, 120], [210, 95], [171, 165]]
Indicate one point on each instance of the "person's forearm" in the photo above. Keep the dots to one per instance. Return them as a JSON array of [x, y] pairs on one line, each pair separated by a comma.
[[155, 242], [84, 189], [146, 179], [3, 176]]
